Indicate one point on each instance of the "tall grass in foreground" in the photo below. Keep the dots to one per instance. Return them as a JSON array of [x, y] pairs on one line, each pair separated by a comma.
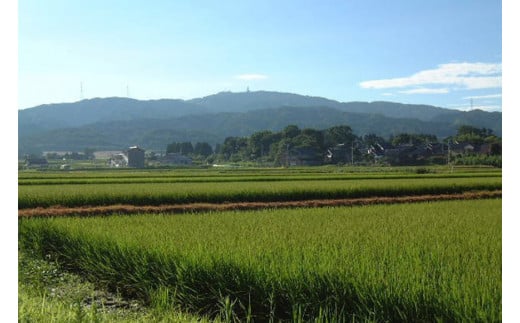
[[48, 294], [413, 262], [30, 196]]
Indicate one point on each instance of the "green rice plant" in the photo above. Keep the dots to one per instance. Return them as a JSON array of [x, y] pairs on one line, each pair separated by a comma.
[[211, 177], [251, 171], [30, 196], [410, 262]]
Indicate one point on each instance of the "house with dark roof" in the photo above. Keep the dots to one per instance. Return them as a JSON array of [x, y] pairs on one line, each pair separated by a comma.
[[377, 150], [175, 159], [305, 156], [36, 162], [490, 149], [339, 154], [462, 148]]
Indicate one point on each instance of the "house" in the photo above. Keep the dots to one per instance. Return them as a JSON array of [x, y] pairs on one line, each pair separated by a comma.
[[106, 154], [118, 160], [65, 167], [420, 152], [56, 154], [175, 159], [462, 148], [377, 150], [437, 149], [36, 162], [135, 156], [339, 154], [402, 154], [490, 149], [305, 156]]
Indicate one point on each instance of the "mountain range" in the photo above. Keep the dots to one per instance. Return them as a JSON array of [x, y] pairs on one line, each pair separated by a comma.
[[117, 123]]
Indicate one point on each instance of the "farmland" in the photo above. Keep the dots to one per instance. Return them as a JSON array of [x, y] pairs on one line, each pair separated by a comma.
[[394, 262], [156, 188]]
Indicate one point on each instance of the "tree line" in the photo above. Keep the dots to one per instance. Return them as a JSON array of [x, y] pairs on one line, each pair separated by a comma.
[[274, 146]]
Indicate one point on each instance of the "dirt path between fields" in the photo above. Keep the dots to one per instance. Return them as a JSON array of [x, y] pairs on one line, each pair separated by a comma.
[[203, 207]]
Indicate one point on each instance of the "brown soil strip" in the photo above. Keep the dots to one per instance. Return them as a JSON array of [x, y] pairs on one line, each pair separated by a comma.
[[203, 207]]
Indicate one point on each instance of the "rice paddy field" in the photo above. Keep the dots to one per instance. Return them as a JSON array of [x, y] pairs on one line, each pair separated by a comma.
[[403, 262]]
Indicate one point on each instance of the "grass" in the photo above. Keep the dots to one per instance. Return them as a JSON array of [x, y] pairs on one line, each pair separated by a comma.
[[412, 262]]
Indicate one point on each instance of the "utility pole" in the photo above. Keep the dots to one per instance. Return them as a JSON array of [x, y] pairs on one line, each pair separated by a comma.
[[352, 154], [288, 157], [354, 142], [448, 152]]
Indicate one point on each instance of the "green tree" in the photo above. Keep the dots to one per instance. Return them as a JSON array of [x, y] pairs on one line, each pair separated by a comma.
[[174, 147], [185, 148], [414, 139], [338, 135], [290, 131], [466, 133], [259, 144], [312, 138], [372, 139], [203, 149], [234, 149], [305, 141], [281, 150], [496, 149]]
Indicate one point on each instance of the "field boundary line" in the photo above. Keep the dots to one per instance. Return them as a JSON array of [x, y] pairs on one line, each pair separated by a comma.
[[239, 206]]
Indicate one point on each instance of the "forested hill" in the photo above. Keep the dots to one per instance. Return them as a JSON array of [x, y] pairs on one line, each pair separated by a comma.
[[66, 115], [247, 101], [116, 123]]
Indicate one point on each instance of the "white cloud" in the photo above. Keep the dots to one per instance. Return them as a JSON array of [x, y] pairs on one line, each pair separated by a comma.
[[489, 96], [458, 75], [426, 91], [251, 77]]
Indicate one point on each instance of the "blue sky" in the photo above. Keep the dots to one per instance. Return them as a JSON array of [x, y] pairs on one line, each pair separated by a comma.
[[443, 53]]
